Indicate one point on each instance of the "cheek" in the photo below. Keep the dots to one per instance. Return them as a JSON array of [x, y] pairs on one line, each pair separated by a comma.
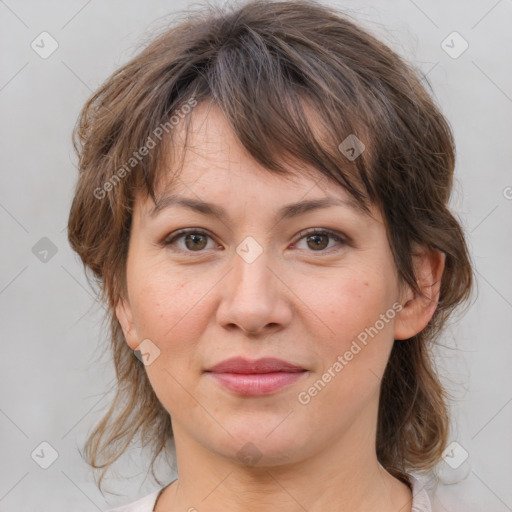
[[173, 310], [168, 308], [344, 303], [349, 310]]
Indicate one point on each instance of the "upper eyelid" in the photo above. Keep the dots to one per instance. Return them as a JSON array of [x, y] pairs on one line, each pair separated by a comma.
[[320, 231]]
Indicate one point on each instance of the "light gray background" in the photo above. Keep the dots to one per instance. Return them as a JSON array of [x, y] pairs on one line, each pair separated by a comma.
[[54, 383]]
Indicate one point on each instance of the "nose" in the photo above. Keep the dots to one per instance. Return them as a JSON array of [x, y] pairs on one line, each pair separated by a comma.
[[254, 299]]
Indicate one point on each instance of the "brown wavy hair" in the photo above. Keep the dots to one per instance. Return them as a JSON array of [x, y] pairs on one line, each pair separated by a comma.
[[276, 69]]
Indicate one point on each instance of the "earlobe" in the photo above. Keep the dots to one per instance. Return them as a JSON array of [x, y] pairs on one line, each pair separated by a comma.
[[419, 309], [125, 318]]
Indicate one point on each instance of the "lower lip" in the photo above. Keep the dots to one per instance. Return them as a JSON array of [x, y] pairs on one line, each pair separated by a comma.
[[256, 384]]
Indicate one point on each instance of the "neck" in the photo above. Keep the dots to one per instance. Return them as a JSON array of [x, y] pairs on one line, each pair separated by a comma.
[[340, 478]]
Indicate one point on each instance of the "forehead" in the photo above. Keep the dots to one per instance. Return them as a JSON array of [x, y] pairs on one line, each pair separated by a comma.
[[206, 142], [205, 161]]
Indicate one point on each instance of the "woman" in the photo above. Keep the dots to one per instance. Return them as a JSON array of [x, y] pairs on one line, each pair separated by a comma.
[[263, 199]]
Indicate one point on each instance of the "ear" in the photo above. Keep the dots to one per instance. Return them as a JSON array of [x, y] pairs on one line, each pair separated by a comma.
[[417, 310], [125, 317]]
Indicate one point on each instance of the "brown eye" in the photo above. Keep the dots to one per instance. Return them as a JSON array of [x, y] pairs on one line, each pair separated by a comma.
[[318, 240], [194, 241]]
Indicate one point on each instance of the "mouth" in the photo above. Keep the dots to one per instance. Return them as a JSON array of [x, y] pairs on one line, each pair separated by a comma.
[[254, 378]]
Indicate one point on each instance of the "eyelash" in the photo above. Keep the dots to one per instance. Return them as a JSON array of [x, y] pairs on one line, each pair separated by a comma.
[[315, 231]]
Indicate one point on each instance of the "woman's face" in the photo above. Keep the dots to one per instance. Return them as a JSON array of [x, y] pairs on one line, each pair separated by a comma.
[[252, 282]]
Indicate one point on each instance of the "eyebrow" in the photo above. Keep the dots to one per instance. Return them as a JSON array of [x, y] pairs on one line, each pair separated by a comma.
[[285, 212]]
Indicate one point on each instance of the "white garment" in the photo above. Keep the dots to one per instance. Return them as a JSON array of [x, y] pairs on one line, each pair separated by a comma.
[[420, 500]]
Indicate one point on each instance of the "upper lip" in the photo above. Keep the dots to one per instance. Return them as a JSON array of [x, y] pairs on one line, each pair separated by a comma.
[[263, 365]]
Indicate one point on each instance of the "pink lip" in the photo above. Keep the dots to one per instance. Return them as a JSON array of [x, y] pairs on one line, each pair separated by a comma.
[[259, 377], [257, 383], [263, 365]]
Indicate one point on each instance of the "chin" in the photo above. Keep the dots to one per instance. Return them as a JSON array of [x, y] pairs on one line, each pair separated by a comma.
[[261, 445]]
